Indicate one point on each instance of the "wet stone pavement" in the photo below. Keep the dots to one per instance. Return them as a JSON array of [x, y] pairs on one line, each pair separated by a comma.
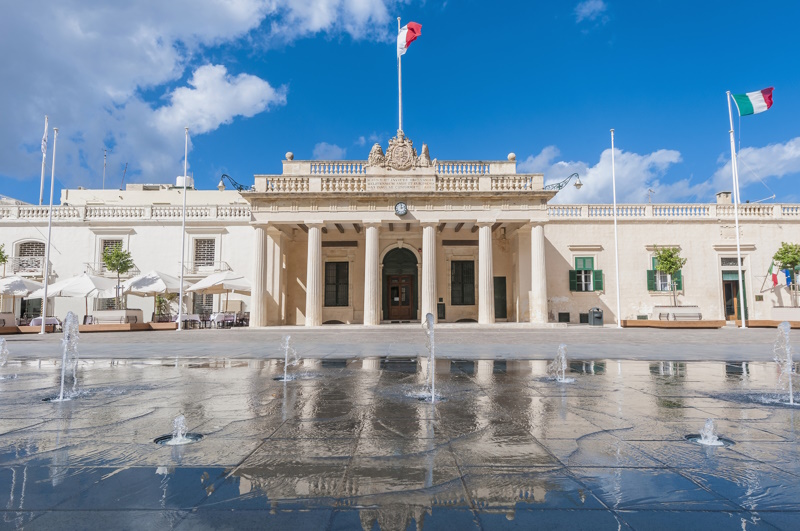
[[347, 444]]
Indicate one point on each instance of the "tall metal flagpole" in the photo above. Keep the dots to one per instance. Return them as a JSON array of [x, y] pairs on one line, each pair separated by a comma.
[[105, 152], [44, 159], [735, 173], [616, 246], [399, 86], [49, 232], [183, 229]]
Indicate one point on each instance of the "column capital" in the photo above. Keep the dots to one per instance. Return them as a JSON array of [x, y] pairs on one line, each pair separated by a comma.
[[374, 224], [485, 223], [537, 222], [313, 224], [429, 223]]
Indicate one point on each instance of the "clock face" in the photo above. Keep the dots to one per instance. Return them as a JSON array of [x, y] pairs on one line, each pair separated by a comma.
[[400, 209]]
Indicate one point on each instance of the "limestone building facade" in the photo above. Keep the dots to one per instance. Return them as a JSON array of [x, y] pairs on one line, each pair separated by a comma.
[[399, 235]]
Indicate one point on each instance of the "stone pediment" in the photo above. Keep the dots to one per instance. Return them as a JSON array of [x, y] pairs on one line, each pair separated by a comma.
[[401, 155]]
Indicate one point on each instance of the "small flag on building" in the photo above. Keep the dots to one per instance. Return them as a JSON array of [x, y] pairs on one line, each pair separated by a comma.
[[406, 36], [773, 274], [753, 102]]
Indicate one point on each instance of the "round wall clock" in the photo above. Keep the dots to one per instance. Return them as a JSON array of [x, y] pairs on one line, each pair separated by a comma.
[[401, 209]]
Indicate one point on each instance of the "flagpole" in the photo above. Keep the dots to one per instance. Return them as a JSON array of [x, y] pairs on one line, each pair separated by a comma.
[[44, 159], [616, 246], [735, 174], [183, 228], [49, 232], [399, 86], [105, 153]]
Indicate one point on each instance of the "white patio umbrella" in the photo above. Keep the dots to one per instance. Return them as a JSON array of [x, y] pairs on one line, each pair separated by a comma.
[[17, 287], [84, 285], [223, 282], [152, 284]]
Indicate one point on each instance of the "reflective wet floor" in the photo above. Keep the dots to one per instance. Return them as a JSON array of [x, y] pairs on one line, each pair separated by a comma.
[[347, 444]]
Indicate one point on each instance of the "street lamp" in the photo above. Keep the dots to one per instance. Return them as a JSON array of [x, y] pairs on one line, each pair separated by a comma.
[[559, 185]]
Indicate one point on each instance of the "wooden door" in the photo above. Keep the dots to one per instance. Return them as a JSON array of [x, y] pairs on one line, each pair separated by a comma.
[[401, 297]]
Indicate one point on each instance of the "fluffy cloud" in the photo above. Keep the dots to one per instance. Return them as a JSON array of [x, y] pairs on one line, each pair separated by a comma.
[[634, 174], [589, 10], [325, 151], [98, 69], [215, 99], [638, 173]]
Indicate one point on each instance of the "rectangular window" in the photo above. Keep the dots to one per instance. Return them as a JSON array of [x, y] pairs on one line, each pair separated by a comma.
[[203, 304], [462, 283], [336, 283], [107, 246], [585, 277], [660, 281], [204, 252]]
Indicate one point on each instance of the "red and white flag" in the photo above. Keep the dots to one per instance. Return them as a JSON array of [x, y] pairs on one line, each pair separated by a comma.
[[407, 35]]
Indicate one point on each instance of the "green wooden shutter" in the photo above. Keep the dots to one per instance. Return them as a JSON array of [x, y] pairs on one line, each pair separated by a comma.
[[678, 278], [651, 280], [597, 280], [573, 280]]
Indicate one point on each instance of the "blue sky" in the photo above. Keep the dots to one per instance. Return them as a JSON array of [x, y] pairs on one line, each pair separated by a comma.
[[546, 80]]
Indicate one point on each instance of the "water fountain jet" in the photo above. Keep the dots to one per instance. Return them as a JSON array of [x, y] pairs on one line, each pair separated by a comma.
[[69, 356], [782, 351], [708, 436], [286, 345], [180, 435], [557, 369]]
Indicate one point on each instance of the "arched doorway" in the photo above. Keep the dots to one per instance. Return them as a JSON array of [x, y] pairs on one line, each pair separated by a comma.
[[400, 286]]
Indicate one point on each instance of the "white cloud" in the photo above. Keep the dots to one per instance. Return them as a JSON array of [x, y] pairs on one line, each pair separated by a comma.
[[361, 141], [634, 175], [756, 164], [589, 10], [96, 67], [325, 151], [215, 99]]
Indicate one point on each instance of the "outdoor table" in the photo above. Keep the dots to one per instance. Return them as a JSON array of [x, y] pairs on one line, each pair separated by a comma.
[[37, 321]]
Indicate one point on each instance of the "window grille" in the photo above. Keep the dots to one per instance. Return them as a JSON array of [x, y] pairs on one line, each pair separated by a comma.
[[462, 283], [729, 262], [107, 245], [31, 249], [204, 252], [336, 283], [203, 303]]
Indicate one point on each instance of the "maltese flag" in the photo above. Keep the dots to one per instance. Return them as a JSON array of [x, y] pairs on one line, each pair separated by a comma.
[[407, 35]]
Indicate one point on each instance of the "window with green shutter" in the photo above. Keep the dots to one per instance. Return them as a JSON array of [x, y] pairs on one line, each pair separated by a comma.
[[660, 281], [462, 283], [585, 277]]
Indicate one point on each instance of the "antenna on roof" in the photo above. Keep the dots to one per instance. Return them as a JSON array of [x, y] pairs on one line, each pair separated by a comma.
[[650, 193], [123, 176]]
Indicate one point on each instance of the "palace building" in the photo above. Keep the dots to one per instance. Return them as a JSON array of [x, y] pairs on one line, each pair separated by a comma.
[[399, 235]]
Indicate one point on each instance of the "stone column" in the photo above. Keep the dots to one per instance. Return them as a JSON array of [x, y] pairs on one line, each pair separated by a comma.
[[372, 284], [274, 259], [538, 276], [485, 275], [428, 282], [523, 274], [314, 275], [258, 298]]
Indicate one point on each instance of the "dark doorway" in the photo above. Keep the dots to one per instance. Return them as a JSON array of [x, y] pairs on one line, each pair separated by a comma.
[[730, 290], [399, 282], [500, 311]]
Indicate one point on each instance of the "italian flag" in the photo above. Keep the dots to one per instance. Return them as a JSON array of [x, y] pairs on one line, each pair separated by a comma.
[[773, 273], [753, 102], [406, 36]]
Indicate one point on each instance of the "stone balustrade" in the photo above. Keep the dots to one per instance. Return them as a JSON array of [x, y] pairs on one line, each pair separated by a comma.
[[673, 211], [126, 213]]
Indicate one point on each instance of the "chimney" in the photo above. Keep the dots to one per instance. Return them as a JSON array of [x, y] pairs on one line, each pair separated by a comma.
[[724, 198]]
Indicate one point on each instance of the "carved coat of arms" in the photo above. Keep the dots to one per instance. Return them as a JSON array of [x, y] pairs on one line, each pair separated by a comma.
[[400, 155]]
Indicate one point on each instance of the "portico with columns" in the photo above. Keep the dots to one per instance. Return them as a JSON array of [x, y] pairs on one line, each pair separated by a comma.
[[395, 237]]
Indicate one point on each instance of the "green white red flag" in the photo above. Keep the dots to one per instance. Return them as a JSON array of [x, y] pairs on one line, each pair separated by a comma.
[[753, 102]]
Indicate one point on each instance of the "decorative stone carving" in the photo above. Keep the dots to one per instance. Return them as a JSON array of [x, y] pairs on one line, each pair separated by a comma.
[[424, 160], [376, 157], [400, 155]]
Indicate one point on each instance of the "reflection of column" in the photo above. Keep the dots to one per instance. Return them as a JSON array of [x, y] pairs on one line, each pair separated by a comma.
[[538, 276], [372, 286], [258, 300], [314, 275], [428, 285], [485, 275], [274, 300], [484, 371]]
